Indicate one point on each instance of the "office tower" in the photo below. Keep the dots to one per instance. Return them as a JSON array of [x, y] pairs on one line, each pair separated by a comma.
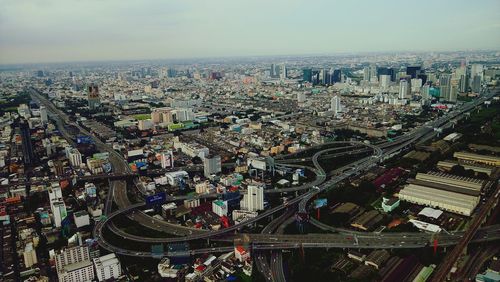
[[107, 267], [254, 199], [43, 115], [454, 85], [74, 157], [24, 111], [335, 106], [307, 75], [404, 89], [366, 74], [59, 212], [28, 155], [171, 72], [444, 86], [425, 92], [413, 71], [58, 168], [93, 97], [416, 84], [373, 73], [476, 69], [272, 72], [476, 83], [301, 97], [211, 165], [325, 77], [167, 160], [283, 72], [336, 76], [74, 265], [385, 81], [464, 83], [315, 77], [220, 207]]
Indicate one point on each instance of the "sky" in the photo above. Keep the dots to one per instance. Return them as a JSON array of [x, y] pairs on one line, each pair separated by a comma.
[[36, 31]]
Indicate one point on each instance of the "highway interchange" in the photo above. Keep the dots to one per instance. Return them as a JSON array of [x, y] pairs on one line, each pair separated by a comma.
[[275, 242]]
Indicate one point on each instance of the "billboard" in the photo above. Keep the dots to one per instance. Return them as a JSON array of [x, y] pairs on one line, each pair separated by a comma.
[[257, 163], [84, 139], [318, 203], [156, 199]]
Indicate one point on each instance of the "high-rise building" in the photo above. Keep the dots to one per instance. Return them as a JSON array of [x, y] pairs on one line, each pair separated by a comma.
[[413, 71], [385, 81], [211, 165], [301, 97], [283, 72], [464, 83], [366, 74], [404, 89], [335, 106], [28, 154], [476, 69], [219, 207], [74, 156], [43, 115], [336, 76], [425, 92], [59, 212], [272, 72], [107, 267], [476, 83], [444, 86], [307, 75], [167, 159], [93, 97], [74, 265], [254, 199], [325, 77], [454, 85]]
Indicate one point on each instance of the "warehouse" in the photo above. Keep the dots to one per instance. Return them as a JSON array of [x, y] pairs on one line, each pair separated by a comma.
[[448, 165], [438, 198], [476, 158], [444, 181]]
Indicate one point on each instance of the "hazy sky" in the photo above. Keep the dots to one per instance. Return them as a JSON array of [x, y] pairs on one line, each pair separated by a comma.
[[76, 30]]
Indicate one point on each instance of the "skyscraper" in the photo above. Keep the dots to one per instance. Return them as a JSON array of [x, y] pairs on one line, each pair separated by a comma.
[[476, 83], [211, 165], [43, 115], [413, 71], [335, 106], [307, 75], [93, 97], [336, 76], [404, 89], [254, 199], [283, 72], [454, 85], [444, 86], [28, 155]]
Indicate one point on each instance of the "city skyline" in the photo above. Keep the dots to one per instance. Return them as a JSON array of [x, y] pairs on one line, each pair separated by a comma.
[[70, 31]]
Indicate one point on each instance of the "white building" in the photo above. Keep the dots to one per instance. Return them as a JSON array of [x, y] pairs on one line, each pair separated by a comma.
[[59, 212], [29, 255], [81, 218], [211, 165], [74, 156], [385, 81], [301, 97], [220, 207], [167, 159], [74, 265], [43, 115], [404, 89], [254, 199], [192, 203], [335, 106], [107, 267]]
